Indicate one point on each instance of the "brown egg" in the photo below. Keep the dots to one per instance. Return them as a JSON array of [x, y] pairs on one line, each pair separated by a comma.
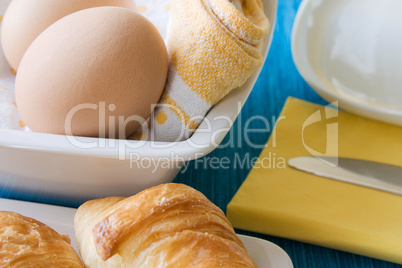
[[24, 20], [90, 72]]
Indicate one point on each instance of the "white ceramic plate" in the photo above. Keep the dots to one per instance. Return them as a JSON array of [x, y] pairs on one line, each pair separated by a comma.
[[349, 51], [61, 219]]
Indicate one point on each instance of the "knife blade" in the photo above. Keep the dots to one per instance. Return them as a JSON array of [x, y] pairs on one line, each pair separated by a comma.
[[370, 174]]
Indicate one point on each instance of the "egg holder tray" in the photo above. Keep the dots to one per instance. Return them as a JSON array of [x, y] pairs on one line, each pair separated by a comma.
[[63, 167]]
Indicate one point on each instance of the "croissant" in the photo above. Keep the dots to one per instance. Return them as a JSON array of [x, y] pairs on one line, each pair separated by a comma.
[[28, 243], [171, 225]]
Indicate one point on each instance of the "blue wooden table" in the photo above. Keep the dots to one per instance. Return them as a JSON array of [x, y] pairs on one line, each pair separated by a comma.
[[278, 80]]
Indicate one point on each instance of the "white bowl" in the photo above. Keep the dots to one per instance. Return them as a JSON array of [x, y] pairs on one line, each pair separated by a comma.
[[53, 165], [350, 51]]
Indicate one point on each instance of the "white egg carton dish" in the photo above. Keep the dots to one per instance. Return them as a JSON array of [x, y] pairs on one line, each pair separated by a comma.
[[86, 168]]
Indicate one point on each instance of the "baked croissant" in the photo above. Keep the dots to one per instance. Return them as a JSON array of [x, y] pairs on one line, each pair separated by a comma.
[[171, 225], [28, 243]]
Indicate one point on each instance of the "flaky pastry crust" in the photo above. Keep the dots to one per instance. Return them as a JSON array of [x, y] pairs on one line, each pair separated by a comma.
[[170, 225], [28, 243]]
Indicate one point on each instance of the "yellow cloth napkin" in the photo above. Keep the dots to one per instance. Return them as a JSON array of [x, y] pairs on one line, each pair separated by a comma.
[[278, 200], [214, 46]]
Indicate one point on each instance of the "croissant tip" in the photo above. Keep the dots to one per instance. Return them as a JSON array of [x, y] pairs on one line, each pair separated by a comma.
[[103, 247]]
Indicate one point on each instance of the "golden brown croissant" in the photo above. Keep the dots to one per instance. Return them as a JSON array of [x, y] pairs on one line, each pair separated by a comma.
[[170, 225], [28, 243]]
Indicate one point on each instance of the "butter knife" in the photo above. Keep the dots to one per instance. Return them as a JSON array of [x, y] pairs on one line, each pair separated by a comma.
[[370, 174]]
